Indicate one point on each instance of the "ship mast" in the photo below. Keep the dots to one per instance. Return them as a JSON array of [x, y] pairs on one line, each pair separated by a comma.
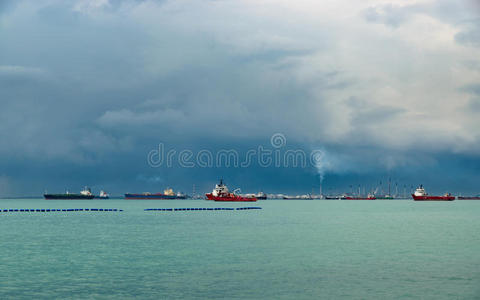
[[389, 186], [321, 187]]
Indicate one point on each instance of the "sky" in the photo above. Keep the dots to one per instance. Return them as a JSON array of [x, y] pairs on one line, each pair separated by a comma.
[[381, 89]]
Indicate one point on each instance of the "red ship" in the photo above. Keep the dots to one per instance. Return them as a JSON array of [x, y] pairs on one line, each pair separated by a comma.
[[221, 193], [421, 195]]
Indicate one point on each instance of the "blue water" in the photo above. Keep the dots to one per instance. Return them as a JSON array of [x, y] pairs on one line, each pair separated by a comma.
[[287, 250]]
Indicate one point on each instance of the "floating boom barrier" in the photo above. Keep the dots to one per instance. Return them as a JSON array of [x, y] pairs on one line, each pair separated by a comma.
[[59, 210], [117, 210], [200, 209]]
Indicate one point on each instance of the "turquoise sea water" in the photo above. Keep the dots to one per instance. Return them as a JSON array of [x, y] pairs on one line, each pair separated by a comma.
[[287, 250]]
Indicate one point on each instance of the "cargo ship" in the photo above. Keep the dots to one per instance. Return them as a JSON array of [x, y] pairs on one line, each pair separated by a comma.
[[221, 193], [85, 194], [384, 197], [103, 195], [421, 195], [369, 197], [337, 197], [298, 197], [261, 196], [167, 194]]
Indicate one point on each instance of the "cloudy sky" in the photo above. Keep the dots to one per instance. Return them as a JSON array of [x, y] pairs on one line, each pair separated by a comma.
[[383, 88]]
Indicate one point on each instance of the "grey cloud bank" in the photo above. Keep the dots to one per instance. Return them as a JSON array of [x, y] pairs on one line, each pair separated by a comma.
[[385, 88]]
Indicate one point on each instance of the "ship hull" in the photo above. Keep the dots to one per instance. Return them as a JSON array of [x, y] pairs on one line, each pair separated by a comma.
[[433, 198], [233, 198], [153, 197], [68, 197], [359, 198]]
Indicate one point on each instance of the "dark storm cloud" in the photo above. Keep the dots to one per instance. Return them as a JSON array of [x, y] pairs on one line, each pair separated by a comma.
[[6, 5], [88, 88], [19, 75]]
